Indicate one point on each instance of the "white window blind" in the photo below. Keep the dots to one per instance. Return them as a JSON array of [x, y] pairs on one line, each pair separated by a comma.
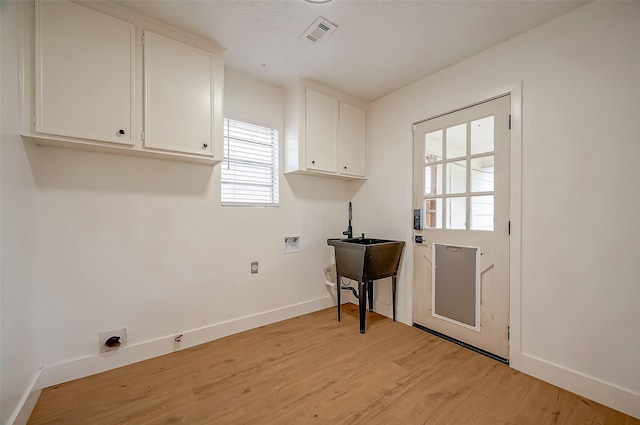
[[250, 167]]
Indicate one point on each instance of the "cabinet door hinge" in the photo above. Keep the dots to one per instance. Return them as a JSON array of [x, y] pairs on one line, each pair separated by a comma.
[[509, 227], [143, 43], [143, 136], [34, 118], [509, 121], [509, 333]]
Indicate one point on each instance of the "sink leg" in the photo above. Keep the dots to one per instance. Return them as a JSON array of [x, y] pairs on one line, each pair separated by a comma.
[[338, 290], [362, 304], [370, 294], [393, 295]]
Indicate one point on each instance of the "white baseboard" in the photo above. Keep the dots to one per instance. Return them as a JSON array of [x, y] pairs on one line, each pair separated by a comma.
[[27, 402], [387, 310], [621, 399], [97, 363], [402, 315], [600, 391]]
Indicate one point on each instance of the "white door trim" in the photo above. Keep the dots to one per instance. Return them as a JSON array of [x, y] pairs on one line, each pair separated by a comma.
[[515, 211]]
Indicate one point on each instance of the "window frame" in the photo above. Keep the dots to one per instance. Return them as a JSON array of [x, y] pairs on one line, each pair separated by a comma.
[[274, 191]]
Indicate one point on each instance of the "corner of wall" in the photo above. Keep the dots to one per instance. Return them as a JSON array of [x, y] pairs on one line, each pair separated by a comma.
[[27, 403]]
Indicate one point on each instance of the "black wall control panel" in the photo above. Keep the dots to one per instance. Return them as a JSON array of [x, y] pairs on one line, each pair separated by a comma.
[[417, 219]]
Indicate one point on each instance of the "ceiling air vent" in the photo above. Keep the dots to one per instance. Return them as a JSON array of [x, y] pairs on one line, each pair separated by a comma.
[[318, 29]]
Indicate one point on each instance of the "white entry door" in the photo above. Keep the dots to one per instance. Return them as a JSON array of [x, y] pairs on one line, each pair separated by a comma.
[[461, 197]]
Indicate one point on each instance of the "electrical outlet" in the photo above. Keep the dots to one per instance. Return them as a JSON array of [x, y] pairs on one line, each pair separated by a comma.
[[103, 337], [254, 267]]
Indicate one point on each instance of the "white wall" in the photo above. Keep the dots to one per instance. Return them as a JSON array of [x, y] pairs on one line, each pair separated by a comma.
[[19, 359], [144, 244], [579, 284]]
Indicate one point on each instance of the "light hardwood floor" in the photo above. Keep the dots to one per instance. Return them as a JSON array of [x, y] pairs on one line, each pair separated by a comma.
[[313, 370]]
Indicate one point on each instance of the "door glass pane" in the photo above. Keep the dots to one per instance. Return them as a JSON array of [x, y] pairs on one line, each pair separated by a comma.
[[433, 213], [482, 173], [482, 212], [482, 135], [457, 141], [456, 177], [456, 213], [433, 179], [433, 146]]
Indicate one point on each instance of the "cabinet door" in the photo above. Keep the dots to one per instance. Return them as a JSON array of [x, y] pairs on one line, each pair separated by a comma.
[[351, 140], [322, 131], [84, 73], [178, 96]]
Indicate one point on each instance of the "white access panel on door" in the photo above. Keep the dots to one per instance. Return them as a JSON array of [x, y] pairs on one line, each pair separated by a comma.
[[456, 285]]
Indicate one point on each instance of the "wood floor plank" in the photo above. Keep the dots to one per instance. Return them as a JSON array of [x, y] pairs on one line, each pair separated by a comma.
[[313, 370], [496, 401]]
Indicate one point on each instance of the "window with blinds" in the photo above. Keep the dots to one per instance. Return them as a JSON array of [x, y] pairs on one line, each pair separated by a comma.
[[250, 168]]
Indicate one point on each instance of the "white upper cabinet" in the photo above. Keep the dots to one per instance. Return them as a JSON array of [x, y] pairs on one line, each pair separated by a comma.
[[178, 97], [351, 140], [84, 73], [324, 132], [99, 76]]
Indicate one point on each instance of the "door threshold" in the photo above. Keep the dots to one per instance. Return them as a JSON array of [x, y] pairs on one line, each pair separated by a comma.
[[463, 344]]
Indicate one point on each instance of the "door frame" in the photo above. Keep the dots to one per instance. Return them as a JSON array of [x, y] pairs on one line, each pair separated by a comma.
[[515, 210]]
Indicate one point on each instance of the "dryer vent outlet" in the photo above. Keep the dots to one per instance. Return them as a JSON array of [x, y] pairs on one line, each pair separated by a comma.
[[112, 340]]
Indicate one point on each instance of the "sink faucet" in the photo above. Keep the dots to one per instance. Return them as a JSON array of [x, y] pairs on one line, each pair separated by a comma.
[[349, 232]]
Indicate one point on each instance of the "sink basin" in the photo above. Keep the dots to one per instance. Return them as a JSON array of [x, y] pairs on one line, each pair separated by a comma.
[[361, 241], [366, 260]]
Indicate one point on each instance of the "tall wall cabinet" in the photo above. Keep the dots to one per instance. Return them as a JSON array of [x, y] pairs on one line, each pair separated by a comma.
[[98, 76], [324, 132]]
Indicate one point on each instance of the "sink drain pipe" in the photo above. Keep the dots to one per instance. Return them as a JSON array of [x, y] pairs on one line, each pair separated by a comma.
[[330, 274], [355, 293], [345, 287]]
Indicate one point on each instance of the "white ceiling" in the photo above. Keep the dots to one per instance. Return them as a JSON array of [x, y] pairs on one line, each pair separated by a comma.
[[379, 46]]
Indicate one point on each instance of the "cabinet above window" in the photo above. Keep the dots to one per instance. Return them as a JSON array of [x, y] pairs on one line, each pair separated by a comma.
[[98, 76]]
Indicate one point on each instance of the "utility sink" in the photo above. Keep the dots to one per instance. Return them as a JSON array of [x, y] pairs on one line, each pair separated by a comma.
[[363, 241], [366, 260]]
